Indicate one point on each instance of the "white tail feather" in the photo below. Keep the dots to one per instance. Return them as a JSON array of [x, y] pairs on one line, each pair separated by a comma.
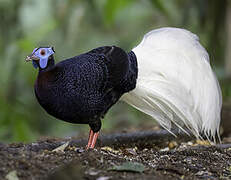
[[176, 83]]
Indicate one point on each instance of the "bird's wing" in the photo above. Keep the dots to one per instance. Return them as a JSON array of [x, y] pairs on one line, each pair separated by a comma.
[[176, 83], [116, 60]]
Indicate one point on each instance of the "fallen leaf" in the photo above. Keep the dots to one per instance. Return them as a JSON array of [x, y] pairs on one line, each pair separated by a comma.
[[203, 142], [130, 151], [172, 144], [109, 149], [12, 175], [61, 148], [103, 178], [129, 166]]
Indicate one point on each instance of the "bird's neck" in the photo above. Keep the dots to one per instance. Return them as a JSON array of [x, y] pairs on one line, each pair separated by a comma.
[[50, 65], [47, 75]]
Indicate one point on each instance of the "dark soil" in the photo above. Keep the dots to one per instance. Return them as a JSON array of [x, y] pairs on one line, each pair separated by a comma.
[[170, 160]]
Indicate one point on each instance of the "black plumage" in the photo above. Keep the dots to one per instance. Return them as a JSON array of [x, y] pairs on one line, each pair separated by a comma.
[[83, 88]]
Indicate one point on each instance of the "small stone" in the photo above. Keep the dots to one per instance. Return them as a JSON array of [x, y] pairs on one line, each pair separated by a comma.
[[165, 149], [79, 150], [92, 172]]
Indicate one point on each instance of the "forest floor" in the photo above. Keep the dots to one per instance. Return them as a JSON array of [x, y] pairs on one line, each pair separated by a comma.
[[60, 160]]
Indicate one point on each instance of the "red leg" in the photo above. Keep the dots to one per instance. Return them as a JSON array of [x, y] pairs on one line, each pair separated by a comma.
[[91, 134], [94, 139]]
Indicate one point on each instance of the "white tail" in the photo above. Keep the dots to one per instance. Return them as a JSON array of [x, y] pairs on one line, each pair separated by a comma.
[[176, 83]]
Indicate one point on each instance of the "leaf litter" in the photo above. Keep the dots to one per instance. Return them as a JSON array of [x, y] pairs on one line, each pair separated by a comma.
[[187, 160]]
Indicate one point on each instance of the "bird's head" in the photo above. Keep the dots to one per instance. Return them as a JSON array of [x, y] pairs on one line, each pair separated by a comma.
[[40, 56]]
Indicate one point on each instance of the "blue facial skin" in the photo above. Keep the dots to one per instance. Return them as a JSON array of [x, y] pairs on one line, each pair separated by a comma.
[[43, 55]]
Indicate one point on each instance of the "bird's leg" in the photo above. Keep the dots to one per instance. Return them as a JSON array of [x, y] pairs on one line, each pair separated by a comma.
[[91, 133], [94, 139]]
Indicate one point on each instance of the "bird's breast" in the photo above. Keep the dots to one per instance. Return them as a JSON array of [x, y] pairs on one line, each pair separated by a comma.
[[69, 99]]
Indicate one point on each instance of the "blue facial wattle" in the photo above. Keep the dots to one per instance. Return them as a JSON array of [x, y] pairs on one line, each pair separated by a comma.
[[43, 62], [43, 54]]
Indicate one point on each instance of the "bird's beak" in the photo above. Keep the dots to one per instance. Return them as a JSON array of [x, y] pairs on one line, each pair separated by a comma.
[[31, 57]]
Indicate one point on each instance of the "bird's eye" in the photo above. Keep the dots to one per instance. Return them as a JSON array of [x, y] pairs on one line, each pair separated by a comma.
[[42, 52]]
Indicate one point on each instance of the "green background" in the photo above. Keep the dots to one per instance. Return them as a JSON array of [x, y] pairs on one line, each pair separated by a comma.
[[76, 26]]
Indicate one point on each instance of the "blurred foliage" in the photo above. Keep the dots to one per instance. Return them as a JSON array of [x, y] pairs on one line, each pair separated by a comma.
[[76, 26]]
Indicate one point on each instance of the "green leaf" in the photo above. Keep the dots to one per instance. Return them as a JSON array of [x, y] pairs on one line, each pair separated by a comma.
[[129, 166]]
